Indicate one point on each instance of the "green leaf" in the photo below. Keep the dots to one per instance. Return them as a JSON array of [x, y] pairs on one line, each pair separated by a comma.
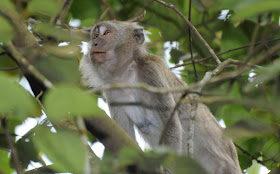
[[228, 4], [250, 8], [64, 149], [6, 5], [5, 162], [176, 55], [244, 160], [50, 7], [247, 128], [233, 37], [154, 34], [83, 9], [64, 101], [185, 165], [28, 151], [88, 22], [255, 168], [63, 70], [129, 156], [6, 31], [49, 30], [271, 148], [15, 101], [232, 113]]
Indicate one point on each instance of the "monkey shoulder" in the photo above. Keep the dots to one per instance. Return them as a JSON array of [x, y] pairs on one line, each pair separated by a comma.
[[153, 71]]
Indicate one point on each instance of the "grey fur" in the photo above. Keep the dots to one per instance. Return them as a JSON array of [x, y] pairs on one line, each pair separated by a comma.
[[128, 62]]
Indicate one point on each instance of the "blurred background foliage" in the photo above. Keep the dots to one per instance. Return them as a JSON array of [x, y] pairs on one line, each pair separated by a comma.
[[50, 36]]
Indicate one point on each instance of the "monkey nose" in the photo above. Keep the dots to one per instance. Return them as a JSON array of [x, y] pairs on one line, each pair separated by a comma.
[[95, 43]]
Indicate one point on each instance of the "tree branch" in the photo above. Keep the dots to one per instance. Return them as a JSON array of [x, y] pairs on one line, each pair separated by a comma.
[[211, 51], [248, 154], [110, 11], [24, 41], [224, 52], [110, 134], [190, 41], [137, 18], [63, 12], [11, 145], [24, 63], [9, 69]]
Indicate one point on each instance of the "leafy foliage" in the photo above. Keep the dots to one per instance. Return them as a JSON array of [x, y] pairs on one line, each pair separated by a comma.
[[248, 102], [65, 101]]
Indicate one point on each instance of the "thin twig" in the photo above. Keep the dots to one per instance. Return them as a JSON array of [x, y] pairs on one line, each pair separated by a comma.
[[241, 70], [11, 145], [194, 105], [9, 69], [26, 65], [39, 101], [63, 12], [224, 52], [254, 37], [190, 41], [102, 15], [211, 51], [83, 132], [3, 53], [248, 154], [110, 11], [42, 170], [144, 7], [137, 18]]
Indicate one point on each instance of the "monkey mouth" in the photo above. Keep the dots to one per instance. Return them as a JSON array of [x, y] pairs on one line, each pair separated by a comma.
[[97, 56], [97, 53]]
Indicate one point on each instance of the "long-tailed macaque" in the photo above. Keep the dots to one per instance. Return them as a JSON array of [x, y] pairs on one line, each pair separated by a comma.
[[117, 55]]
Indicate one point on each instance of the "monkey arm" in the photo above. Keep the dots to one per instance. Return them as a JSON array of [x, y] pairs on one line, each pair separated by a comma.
[[114, 99], [154, 72]]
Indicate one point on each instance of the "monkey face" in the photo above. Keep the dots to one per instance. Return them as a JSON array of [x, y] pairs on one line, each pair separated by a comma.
[[100, 46]]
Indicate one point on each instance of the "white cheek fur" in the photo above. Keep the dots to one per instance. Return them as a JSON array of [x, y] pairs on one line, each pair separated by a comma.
[[89, 73]]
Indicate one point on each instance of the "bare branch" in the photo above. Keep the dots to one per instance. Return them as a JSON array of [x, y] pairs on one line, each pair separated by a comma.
[[102, 15], [224, 52], [211, 51], [24, 41], [248, 154], [110, 134], [110, 11], [43, 170], [9, 69], [26, 65], [83, 132], [137, 18], [63, 12], [190, 41], [11, 145], [234, 74]]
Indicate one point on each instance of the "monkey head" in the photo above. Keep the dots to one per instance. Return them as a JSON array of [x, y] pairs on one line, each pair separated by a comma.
[[113, 47], [114, 41]]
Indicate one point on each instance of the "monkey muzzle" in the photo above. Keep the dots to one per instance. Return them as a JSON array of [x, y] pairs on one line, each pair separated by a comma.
[[97, 56]]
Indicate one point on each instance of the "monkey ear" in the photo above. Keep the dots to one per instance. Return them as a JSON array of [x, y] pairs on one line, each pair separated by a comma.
[[139, 35]]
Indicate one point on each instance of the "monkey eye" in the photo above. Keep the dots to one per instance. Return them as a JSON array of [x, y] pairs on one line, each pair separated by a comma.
[[107, 32], [95, 36]]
